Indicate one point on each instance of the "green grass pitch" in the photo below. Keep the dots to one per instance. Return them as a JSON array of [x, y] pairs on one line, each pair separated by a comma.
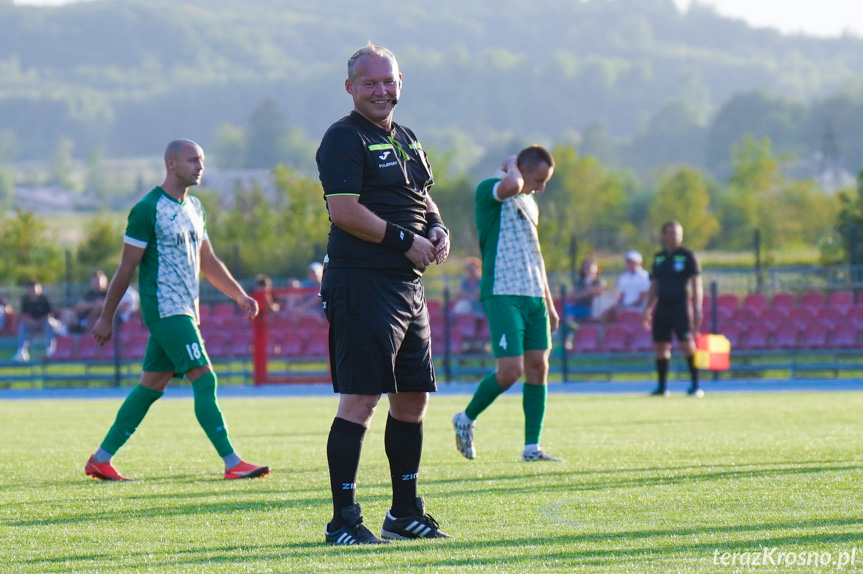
[[648, 485]]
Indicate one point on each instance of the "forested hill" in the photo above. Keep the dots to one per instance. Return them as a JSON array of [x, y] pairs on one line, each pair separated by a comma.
[[127, 75]]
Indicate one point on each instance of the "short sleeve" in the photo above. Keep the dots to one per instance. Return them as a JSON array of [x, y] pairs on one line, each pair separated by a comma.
[[340, 162], [140, 227], [696, 266]]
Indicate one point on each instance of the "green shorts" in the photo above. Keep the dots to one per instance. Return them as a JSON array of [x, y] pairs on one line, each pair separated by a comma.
[[517, 324], [175, 345]]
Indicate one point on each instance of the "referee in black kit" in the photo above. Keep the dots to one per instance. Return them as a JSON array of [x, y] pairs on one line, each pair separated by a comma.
[[385, 231], [676, 276]]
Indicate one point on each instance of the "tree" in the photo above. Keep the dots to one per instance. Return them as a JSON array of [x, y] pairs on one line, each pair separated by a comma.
[[61, 163], [29, 254], [584, 200], [230, 147], [267, 129], [742, 210], [100, 248], [847, 244], [277, 235], [9, 150], [683, 196]]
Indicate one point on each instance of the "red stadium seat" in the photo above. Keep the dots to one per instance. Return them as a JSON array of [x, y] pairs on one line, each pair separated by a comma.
[[841, 299], [629, 318], [616, 339], [772, 316], [586, 339], [831, 315], [290, 345], [223, 310], [465, 325], [727, 301], [642, 340], [204, 311], [64, 349], [787, 335], [844, 336], [855, 315], [239, 344], [815, 335], [456, 345], [801, 315], [435, 307], [757, 336], [136, 346], [757, 301], [784, 300], [812, 299], [744, 316], [732, 332], [482, 329], [215, 342], [317, 345], [90, 350]]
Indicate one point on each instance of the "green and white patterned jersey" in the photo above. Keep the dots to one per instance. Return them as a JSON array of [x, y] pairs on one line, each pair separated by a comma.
[[171, 234], [511, 257]]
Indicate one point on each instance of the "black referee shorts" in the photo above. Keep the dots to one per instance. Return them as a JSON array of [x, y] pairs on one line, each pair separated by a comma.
[[380, 338], [671, 317]]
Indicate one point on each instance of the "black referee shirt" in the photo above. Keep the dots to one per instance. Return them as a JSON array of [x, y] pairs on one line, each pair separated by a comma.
[[390, 173], [672, 272]]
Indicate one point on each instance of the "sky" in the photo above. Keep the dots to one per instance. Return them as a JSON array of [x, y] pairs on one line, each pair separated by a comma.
[[812, 17], [823, 18]]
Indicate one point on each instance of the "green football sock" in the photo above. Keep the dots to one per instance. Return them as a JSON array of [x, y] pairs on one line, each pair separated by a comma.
[[209, 415], [487, 391], [533, 401], [129, 416]]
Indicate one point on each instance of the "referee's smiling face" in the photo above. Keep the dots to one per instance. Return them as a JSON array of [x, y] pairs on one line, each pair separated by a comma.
[[374, 88]]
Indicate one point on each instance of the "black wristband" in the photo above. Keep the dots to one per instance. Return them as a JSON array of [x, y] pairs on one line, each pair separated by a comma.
[[434, 220], [398, 238]]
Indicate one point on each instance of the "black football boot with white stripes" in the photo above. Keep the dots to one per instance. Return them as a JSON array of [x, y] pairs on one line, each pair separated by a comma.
[[352, 530], [419, 525]]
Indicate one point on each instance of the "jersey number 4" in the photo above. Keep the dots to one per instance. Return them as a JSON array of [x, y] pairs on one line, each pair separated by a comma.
[[502, 342]]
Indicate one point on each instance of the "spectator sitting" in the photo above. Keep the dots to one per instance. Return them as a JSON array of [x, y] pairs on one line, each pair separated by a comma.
[[309, 304], [5, 314], [82, 317], [265, 284], [306, 302], [588, 286], [36, 314], [467, 299], [632, 288], [129, 304]]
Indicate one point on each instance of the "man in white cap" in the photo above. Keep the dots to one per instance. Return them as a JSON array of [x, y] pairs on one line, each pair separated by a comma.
[[632, 287]]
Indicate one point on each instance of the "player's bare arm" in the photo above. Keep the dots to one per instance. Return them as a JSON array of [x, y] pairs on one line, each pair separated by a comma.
[[553, 317], [217, 273], [697, 301], [512, 182], [651, 303], [130, 258], [438, 237]]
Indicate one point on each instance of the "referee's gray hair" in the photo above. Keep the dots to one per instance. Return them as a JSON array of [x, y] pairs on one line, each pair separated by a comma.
[[369, 50]]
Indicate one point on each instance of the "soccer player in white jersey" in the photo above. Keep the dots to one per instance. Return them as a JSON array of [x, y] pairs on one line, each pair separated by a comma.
[[166, 238], [515, 295]]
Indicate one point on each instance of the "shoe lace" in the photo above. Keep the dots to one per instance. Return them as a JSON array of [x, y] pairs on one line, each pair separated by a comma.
[[432, 522]]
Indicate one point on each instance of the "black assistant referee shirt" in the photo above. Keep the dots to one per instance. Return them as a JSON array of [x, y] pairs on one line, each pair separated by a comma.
[[672, 272], [390, 173]]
